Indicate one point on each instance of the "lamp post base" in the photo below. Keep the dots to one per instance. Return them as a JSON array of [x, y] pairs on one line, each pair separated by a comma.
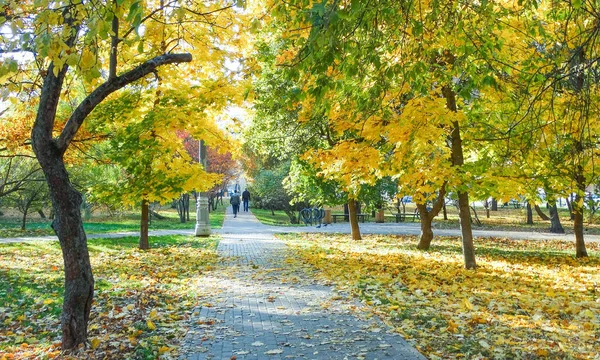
[[202, 221]]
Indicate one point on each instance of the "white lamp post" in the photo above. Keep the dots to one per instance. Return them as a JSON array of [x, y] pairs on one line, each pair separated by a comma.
[[202, 220]]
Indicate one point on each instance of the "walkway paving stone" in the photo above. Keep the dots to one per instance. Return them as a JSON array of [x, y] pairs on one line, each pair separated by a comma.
[[258, 307]]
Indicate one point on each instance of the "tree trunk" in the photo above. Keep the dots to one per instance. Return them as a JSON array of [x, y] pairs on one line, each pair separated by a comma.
[[541, 213], [570, 207], [580, 250], [187, 207], [555, 225], [41, 213], [426, 231], [426, 218], [464, 212], [24, 221], [494, 204], [68, 226], [144, 243], [292, 215], [445, 211], [346, 213], [156, 215], [477, 221], [354, 220], [529, 214]]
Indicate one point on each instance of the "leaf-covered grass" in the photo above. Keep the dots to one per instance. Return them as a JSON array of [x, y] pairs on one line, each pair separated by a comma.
[[280, 218], [141, 297], [526, 300], [11, 227]]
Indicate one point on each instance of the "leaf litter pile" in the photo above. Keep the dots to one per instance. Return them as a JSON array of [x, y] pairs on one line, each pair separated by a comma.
[[141, 301], [526, 299]]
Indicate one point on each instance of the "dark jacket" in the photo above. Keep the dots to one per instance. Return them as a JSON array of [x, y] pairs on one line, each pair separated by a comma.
[[246, 195], [235, 199]]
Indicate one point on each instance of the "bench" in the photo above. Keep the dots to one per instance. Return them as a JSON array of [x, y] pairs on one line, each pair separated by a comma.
[[361, 217], [401, 217], [514, 203]]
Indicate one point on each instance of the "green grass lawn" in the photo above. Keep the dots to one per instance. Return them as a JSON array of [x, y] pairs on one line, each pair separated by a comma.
[[11, 227], [279, 219], [139, 302]]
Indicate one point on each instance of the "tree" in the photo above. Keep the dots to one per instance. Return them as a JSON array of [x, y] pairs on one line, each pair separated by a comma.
[[105, 47], [269, 187], [383, 73], [33, 194], [147, 149]]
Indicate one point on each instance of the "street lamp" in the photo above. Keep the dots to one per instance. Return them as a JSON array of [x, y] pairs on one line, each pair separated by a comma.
[[202, 220]]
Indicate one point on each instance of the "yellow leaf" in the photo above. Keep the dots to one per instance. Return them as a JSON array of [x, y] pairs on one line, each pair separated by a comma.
[[95, 343], [542, 352], [151, 325], [588, 313], [163, 349], [153, 314], [467, 304]]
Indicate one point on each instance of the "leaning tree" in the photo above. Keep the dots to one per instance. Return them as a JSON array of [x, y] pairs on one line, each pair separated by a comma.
[[49, 49]]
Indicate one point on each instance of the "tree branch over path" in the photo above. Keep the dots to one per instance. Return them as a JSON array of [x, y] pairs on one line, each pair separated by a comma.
[[110, 86]]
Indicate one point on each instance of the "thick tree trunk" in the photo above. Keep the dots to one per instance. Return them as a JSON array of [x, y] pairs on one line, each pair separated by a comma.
[[68, 226], [555, 225], [494, 204], [464, 211], [144, 243], [426, 231], [541, 213], [353, 220], [529, 214]]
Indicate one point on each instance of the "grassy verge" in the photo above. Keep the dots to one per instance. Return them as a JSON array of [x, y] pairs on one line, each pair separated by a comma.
[[141, 297], [526, 300], [10, 227], [279, 219]]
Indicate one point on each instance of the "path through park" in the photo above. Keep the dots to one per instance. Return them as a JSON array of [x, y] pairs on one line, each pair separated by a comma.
[[257, 307]]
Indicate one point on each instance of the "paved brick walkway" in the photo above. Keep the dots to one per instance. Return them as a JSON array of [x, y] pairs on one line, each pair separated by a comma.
[[257, 307]]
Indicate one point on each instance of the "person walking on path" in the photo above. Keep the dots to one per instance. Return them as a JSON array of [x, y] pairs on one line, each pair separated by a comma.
[[235, 202], [246, 199]]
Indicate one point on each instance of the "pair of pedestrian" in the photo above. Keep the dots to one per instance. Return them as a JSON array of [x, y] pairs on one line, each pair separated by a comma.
[[235, 201]]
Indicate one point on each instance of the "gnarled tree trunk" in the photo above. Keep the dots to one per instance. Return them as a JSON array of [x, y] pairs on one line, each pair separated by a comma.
[[68, 225], [427, 218], [354, 220]]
